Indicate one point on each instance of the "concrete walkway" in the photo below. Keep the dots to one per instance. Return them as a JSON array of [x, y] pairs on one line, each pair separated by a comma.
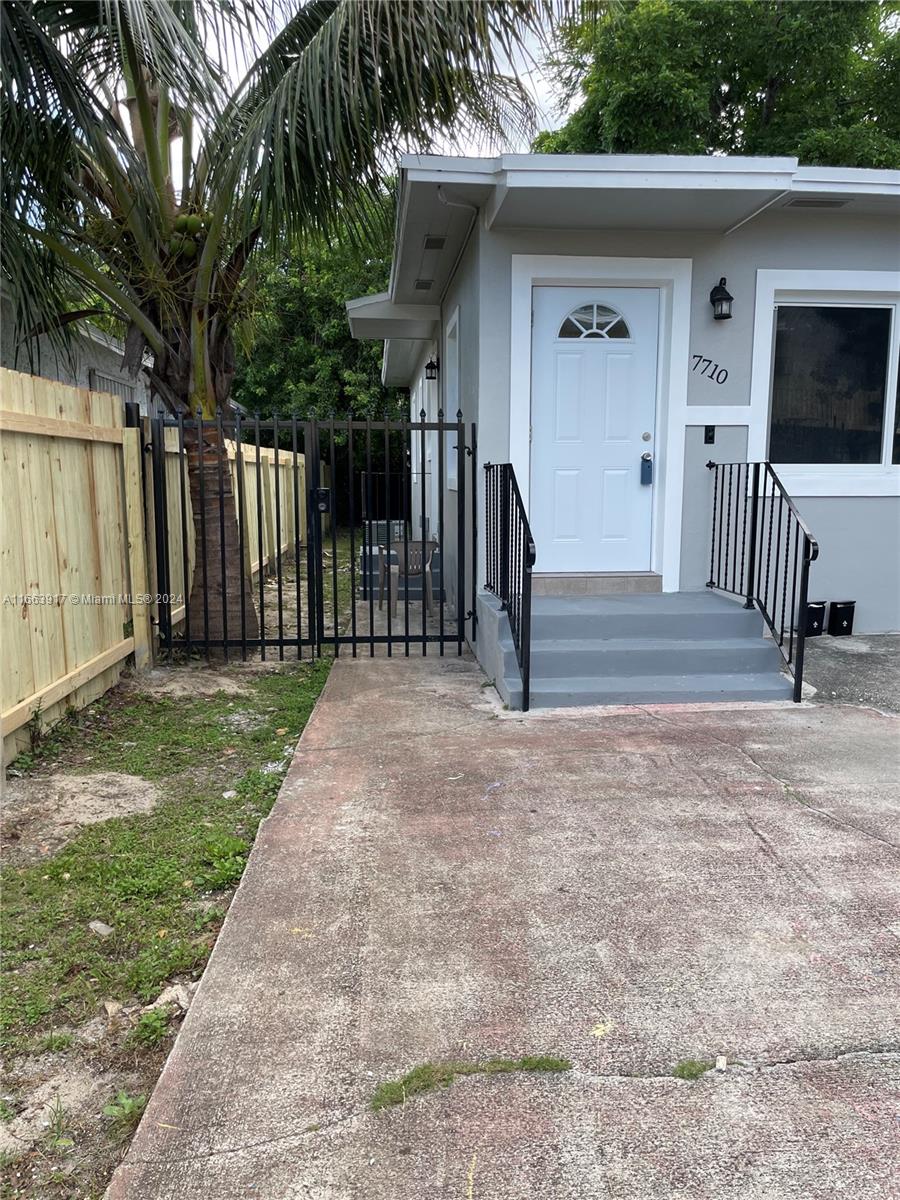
[[440, 880]]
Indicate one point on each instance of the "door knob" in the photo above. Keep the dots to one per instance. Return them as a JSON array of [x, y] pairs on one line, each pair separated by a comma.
[[646, 468]]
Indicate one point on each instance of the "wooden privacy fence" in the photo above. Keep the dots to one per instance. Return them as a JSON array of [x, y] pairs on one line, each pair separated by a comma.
[[274, 472], [78, 543], [73, 564]]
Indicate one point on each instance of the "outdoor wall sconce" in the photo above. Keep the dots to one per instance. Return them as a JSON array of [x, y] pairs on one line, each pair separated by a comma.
[[431, 369], [720, 298]]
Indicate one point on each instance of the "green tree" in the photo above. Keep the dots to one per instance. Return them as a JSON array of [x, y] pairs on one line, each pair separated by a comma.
[[302, 358], [108, 104], [819, 80]]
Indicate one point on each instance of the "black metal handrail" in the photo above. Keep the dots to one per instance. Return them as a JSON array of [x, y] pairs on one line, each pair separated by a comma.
[[761, 549], [510, 555]]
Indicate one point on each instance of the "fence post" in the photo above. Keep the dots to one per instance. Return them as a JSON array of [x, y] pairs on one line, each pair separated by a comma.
[[137, 547], [504, 534], [751, 570]]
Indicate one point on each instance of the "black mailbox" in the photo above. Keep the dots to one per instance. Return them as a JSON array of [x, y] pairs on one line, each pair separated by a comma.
[[321, 498], [840, 618], [815, 618]]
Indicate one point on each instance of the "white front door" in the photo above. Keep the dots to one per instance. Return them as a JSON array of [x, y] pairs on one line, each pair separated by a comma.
[[593, 414]]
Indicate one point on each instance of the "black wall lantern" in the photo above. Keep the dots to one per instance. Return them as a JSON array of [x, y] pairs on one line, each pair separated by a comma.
[[431, 368], [720, 298]]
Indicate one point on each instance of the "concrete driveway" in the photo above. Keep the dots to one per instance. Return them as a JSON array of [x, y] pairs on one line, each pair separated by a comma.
[[628, 889]]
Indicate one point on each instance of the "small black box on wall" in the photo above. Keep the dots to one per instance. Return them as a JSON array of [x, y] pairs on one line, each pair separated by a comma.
[[815, 618], [840, 618]]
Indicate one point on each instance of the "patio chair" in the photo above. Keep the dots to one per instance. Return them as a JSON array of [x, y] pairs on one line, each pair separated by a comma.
[[412, 559]]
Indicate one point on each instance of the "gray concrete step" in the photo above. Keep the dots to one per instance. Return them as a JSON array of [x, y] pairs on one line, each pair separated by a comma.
[[557, 657], [658, 689], [668, 615]]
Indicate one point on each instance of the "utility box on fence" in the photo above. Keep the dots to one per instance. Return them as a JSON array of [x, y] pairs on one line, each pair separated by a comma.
[[815, 618], [840, 617]]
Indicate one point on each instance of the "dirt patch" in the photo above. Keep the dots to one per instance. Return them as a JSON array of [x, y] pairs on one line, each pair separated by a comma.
[[69, 1089], [55, 1128], [42, 812], [191, 681]]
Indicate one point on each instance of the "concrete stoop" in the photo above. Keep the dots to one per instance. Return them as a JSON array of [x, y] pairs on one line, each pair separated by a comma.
[[683, 647]]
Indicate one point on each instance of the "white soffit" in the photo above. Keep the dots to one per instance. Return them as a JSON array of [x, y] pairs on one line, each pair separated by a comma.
[[399, 362], [378, 317]]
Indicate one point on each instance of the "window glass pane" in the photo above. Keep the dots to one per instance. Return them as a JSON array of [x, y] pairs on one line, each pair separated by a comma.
[[593, 321], [829, 384], [896, 457]]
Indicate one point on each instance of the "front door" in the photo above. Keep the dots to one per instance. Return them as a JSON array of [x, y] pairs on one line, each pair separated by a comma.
[[593, 413]]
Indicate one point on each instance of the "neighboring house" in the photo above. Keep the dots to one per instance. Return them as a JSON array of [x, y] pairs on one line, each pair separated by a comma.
[[95, 361], [567, 301]]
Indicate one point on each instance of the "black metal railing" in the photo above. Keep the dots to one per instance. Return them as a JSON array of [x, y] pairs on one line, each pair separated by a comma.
[[761, 549], [510, 555]]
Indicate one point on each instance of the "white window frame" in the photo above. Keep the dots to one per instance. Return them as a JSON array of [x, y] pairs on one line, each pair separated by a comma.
[[840, 289], [451, 403]]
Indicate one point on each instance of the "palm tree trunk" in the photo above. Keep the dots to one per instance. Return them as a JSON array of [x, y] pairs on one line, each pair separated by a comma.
[[218, 570]]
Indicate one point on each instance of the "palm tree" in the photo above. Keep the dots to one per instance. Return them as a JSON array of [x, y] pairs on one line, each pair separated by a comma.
[[139, 182]]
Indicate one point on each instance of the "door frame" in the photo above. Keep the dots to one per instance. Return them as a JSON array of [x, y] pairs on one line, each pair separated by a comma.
[[672, 276]]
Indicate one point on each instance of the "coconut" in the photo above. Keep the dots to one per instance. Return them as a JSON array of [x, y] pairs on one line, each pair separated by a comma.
[[193, 225], [181, 223], [189, 250]]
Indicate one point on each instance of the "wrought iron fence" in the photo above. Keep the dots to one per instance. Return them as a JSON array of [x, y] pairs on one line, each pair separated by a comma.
[[269, 537], [510, 555], [761, 549]]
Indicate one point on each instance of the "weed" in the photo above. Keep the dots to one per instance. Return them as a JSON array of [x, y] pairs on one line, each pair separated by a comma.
[[691, 1068], [52, 1042], [432, 1075], [151, 1028], [35, 727], [124, 1112], [58, 1138], [7, 1112]]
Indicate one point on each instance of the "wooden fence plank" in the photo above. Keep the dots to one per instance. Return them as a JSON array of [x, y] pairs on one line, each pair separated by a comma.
[[21, 713], [13, 422]]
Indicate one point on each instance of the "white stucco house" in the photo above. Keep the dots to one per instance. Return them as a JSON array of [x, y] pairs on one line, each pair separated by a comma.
[[568, 301]]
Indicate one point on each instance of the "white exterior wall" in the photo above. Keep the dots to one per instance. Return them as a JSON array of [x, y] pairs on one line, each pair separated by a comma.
[[859, 535]]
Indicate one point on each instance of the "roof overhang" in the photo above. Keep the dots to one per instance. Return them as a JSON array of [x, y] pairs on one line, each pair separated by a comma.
[[378, 317], [440, 197], [401, 356]]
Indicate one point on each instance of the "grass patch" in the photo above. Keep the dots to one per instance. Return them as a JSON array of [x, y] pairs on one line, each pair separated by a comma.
[[124, 1112], [691, 1068], [429, 1076], [51, 1042], [151, 1028], [142, 874]]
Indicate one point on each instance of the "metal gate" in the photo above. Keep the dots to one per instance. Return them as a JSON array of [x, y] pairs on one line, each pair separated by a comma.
[[278, 535]]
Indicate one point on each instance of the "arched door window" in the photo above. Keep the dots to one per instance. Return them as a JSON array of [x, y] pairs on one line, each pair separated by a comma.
[[594, 321]]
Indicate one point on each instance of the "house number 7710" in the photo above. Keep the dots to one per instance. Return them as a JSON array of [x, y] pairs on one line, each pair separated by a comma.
[[706, 366]]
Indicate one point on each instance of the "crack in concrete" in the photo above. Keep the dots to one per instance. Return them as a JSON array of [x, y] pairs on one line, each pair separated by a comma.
[[767, 846], [871, 1053], [788, 790], [200, 1156]]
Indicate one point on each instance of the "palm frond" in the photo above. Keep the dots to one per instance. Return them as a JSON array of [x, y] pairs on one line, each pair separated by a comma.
[[348, 84]]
